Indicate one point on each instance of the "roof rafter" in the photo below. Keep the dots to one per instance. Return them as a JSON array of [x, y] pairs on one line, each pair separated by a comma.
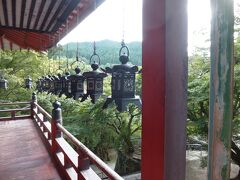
[[42, 23], [14, 12], [5, 11], [66, 13], [55, 14], [22, 13], [39, 13], [31, 13], [47, 14]]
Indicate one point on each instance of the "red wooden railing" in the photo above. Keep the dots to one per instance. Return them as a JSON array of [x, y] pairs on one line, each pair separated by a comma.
[[13, 112], [74, 163]]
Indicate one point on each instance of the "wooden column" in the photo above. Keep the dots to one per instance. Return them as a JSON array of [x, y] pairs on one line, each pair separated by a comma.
[[221, 90], [164, 89]]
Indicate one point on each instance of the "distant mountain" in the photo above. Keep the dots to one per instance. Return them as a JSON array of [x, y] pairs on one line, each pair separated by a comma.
[[107, 50]]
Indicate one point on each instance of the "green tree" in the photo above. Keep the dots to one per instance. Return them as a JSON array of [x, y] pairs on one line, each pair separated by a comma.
[[198, 95]]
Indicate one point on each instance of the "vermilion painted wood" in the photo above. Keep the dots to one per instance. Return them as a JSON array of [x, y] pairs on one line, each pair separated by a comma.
[[22, 155], [71, 164], [164, 89], [153, 89]]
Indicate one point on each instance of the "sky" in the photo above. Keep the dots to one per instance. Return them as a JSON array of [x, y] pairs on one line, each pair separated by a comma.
[[109, 21], [114, 17], [199, 19]]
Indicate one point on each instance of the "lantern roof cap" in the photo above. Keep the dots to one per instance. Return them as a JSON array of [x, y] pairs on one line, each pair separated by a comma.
[[123, 67], [56, 105], [3, 80]]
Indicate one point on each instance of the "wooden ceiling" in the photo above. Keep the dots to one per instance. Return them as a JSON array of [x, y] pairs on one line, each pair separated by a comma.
[[40, 24]]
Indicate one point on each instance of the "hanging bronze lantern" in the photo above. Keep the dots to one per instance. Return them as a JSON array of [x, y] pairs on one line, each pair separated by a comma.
[[64, 84], [47, 83], [3, 83], [51, 89], [44, 83], [28, 83], [39, 85], [57, 84], [94, 80], [75, 84], [123, 82]]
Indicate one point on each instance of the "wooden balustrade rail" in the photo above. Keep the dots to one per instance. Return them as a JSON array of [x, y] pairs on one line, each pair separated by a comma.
[[75, 164], [88, 153], [14, 103], [14, 111]]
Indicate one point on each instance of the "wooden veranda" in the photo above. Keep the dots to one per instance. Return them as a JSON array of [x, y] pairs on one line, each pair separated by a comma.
[[35, 146], [29, 158]]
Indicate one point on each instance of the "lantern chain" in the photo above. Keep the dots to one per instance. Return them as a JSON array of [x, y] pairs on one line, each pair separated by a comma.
[[123, 20], [94, 48], [77, 55], [67, 46]]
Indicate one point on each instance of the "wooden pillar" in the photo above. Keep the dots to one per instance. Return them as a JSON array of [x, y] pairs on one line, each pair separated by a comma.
[[221, 90], [164, 89]]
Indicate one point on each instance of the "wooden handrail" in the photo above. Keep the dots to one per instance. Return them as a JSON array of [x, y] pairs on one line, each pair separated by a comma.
[[13, 103], [40, 109], [60, 148], [16, 110], [13, 111], [96, 160]]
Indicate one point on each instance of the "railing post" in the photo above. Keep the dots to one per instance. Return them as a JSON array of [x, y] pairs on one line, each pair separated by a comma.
[[33, 106], [13, 113], [83, 162], [56, 118]]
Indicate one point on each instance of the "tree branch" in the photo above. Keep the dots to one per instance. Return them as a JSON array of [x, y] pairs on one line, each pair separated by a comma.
[[136, 129], [114, 127]]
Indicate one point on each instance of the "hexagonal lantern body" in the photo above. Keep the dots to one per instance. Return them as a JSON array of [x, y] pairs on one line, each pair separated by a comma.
[[123, 83], [75, 89], [39, 83], [28, 83], [3, 83], [47, 83], [64, 84], [44, 83], [57, 84], [94, 83], [52, 88]]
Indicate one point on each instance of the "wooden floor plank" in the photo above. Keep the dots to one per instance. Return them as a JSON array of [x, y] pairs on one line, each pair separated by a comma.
[[22, 153]]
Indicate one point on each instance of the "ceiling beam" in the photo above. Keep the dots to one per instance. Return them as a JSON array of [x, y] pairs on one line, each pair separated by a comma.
[[39, 13], [22, 13], [31, 13], [5, 11], [65, 14], [22, 29], [14, 13], [55, 14], [15, 41]]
